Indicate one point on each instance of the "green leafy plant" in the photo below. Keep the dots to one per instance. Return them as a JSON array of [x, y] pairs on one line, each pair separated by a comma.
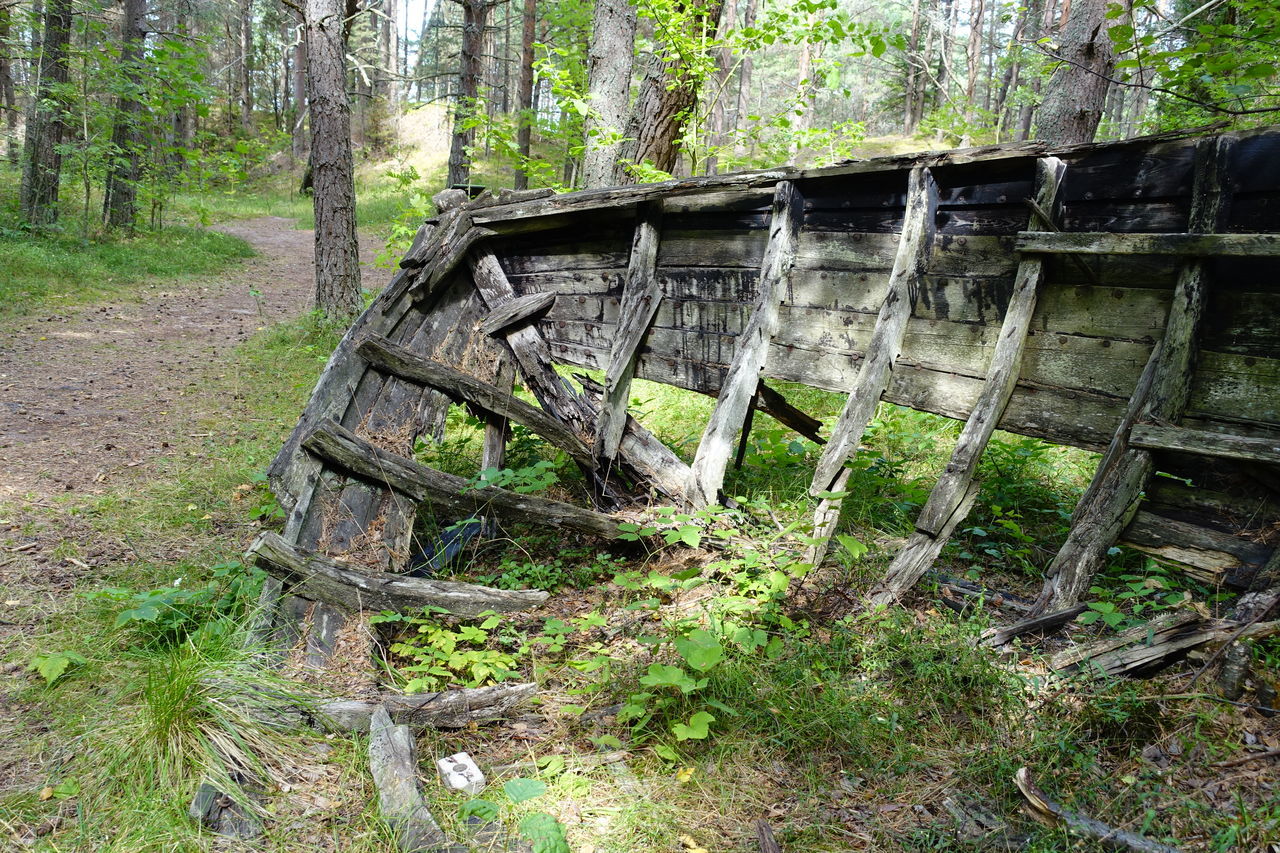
[[54, 665], [445, 653]]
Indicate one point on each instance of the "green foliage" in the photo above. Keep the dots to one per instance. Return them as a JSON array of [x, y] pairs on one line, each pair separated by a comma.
[[1125, 597], [447, 653], [520, 789], [54, 665]]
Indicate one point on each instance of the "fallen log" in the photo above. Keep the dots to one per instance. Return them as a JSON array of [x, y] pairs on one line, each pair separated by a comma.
[[325, 579], [449, 709], [1047, 622], [1111, 838]]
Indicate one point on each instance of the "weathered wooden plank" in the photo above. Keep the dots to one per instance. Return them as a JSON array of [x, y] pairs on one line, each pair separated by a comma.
[[954, 493], [1167, 495], [1205, 443], [393, 762], [740, 383], [449, 709], [408, 365], [886, 341], [1099, 521], [327, 580], [652, 461], [1044, 622], [522, 309], [640, 297], [420, 482], [1209, 555], [1188, 245]]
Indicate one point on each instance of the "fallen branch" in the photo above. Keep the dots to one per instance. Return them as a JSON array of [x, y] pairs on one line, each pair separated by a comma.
[[1047, 622], [449, 709], [1111, 838], [1257, 756]]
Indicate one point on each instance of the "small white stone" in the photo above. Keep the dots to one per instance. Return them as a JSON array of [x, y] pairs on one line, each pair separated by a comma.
[[460, 773]]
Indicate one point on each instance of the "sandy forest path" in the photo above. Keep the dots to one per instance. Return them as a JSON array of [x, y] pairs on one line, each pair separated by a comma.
[[90, 391]]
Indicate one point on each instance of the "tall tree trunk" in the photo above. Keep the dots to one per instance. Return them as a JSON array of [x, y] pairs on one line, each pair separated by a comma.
[[120, 200], [1027, 111], [337, 250], [717, 132], [744, 77], [7, 100], [665, 103], [475, 15], [246, 66], [613, 37], [910, 114], [1078, 89], [42, 162], [524, 133], [300, 141], [973, 57], [1009, 82]]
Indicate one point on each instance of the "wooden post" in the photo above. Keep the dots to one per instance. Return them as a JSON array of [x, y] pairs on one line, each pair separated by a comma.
[[752, 348], [640, 298], [1116, 491], [955, 492], [882, 351]]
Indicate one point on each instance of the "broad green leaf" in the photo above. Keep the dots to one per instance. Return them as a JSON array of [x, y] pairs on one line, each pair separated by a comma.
[[700, 649], [519, 790], [697, 729], [482, 809]]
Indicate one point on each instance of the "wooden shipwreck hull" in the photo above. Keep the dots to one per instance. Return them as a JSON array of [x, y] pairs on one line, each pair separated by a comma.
[[1118, 297]]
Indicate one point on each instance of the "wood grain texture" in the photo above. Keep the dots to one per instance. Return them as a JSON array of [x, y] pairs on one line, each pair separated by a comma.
[[1188, 245]]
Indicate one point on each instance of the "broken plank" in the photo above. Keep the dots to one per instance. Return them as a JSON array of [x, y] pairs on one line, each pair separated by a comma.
[[1189, 245], [406, 364], [393, 762], [343, 448], [773, 404], [522, 309], [1205, 443], [886, 341], [740, 384], [1108, 837], [335, 583], [641, 294], [954, 493], [1044, 622], [1209, 555]]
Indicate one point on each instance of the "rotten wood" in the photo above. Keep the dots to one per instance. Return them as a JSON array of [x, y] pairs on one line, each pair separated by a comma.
[[953, 494], [344, 449], [751, 349], [1205, 443], [1031, 625], [1216, 558], [408, 365], [909, 265], [393, 762], [1099, 521], [327, 580], [449, 709], [522, 309], [1188, 245], [641, 294], [1109, 837]]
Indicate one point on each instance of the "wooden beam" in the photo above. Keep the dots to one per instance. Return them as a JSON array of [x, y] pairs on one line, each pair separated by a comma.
[[448, 709], [1218, 559], [647, 457], [327, 580], [343, 448], [640, 297], [1187, 245], [750, 350], [954, 493], [886, 340], [1116, 490], [411, 367], [393, 762], [522, 309], [776, 406], [1205, 443]]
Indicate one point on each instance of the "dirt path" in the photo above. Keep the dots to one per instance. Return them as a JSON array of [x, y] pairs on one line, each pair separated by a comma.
[[90, 391]]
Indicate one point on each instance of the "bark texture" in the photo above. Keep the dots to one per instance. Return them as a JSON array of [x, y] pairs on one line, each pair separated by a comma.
[[120, 200], [337, 250], [475, 14], [528, 35], [613, 37], [7, 100], [42, 162], [1078, 89]]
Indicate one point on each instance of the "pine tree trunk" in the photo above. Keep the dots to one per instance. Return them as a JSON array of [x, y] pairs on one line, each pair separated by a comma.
[[42, 162], [973, 57], [613, 37], [475, 15], [1078, 89], [246, 66], [8, 101], [910, 115], [337, 251], [665, 103], [120, 200], [524, 135]]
